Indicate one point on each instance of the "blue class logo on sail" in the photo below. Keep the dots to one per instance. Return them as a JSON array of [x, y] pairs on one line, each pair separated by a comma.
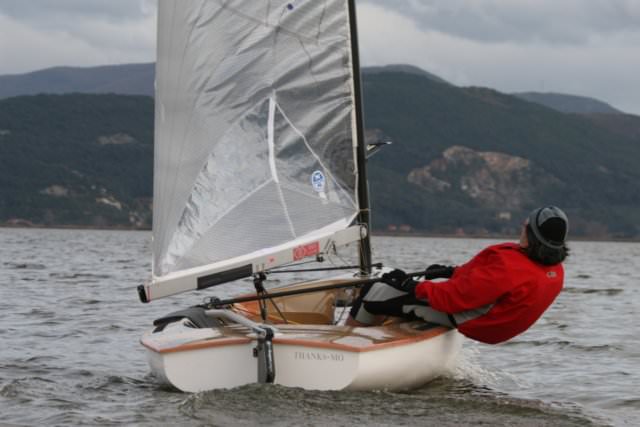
[[318, 181]]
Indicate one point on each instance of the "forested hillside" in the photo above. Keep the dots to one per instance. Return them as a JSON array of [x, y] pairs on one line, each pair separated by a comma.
[[579, 162], [76, 160], [469, 161]]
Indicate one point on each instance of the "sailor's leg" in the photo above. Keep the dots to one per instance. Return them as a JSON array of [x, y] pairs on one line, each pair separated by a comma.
[[378, 301], [451, 320], [430, 315]]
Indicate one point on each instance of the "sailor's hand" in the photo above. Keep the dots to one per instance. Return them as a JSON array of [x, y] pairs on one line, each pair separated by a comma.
[[437, 271], [399, 280]]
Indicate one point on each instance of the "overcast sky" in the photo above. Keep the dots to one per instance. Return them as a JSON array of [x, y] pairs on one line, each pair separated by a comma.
[[581, 47]]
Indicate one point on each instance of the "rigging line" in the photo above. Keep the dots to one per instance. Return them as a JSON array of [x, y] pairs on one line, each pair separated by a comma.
[[346, 267], [331, 261], [292, 264], [300, 263], [264, 295], [277, 308], [340, 258], [263, 306]]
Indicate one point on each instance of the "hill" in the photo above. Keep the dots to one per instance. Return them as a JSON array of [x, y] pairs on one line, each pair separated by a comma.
[[568, 103], [470, 161], [137, 79], [403, 68], [128, 79], [474, 160], [76, 160]]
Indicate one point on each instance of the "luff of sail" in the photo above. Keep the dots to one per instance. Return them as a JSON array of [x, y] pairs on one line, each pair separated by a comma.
[[255, 131]]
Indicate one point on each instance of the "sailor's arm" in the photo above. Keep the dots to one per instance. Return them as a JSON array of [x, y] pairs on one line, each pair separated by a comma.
[[471, 286]]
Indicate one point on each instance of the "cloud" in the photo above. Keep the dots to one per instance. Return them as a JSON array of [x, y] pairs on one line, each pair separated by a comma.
[[583, 47], [524, 21], [48, 11], [600, 64], [47, 33]]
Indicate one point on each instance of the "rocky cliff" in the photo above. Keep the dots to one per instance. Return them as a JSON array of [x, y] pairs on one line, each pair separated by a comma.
[[490, 178]]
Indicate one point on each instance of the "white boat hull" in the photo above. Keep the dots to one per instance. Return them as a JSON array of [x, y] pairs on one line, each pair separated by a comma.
[[316, 357], [400, 367]]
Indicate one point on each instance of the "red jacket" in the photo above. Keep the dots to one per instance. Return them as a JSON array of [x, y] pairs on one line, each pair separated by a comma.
[[519, 289]]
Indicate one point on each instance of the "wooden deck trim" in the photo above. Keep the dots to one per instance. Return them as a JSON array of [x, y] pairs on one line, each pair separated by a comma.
[[439, 330], [211, 343], [219, 342]]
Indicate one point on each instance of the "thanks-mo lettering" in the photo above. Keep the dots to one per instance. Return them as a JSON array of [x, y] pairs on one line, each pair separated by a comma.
[[312, 355]]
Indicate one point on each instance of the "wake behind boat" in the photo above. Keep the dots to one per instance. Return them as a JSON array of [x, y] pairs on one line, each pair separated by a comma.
[[260, 165]]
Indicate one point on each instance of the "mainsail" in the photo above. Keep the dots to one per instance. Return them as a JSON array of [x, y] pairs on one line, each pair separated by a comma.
[[256, 137]]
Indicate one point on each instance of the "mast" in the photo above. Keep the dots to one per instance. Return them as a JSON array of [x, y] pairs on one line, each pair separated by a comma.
[[361, 154]]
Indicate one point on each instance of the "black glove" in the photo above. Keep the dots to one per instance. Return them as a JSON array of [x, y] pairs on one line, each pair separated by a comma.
[[437, 271], [399, 280]]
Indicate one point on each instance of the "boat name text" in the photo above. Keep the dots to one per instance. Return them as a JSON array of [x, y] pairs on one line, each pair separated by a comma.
[[310, 355]]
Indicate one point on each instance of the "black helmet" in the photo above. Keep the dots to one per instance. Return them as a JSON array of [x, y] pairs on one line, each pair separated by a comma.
[[550, 226]]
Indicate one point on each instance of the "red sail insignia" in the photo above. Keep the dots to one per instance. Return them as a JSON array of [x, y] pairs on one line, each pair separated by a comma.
[[307, 250]]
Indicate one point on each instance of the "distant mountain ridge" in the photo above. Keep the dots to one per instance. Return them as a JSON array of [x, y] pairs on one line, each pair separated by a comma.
[[568, 103], [138, 79], [468, 161], [126, 79], [403, 68]]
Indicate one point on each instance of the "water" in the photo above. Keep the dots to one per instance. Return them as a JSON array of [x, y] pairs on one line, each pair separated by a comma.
[[71, 322]]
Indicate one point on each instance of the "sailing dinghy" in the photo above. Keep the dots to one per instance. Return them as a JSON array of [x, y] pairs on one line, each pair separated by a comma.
[[260, 166]]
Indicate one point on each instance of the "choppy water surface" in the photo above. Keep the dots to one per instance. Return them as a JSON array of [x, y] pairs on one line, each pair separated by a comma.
[[71, 324]]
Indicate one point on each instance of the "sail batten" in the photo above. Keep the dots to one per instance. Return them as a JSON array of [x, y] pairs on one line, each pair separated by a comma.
[[255, 128]]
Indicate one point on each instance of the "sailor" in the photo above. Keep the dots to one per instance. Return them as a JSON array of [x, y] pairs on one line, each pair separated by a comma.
[[492, 298]]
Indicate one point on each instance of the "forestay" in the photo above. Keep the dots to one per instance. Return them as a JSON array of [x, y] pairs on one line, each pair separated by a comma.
[[255, 137]]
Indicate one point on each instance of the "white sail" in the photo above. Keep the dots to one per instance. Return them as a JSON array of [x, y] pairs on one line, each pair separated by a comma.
[[255, 135]]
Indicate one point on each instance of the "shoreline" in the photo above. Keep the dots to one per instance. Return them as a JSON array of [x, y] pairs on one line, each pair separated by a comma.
[[376, 233], [501, 237], [72, 227]]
